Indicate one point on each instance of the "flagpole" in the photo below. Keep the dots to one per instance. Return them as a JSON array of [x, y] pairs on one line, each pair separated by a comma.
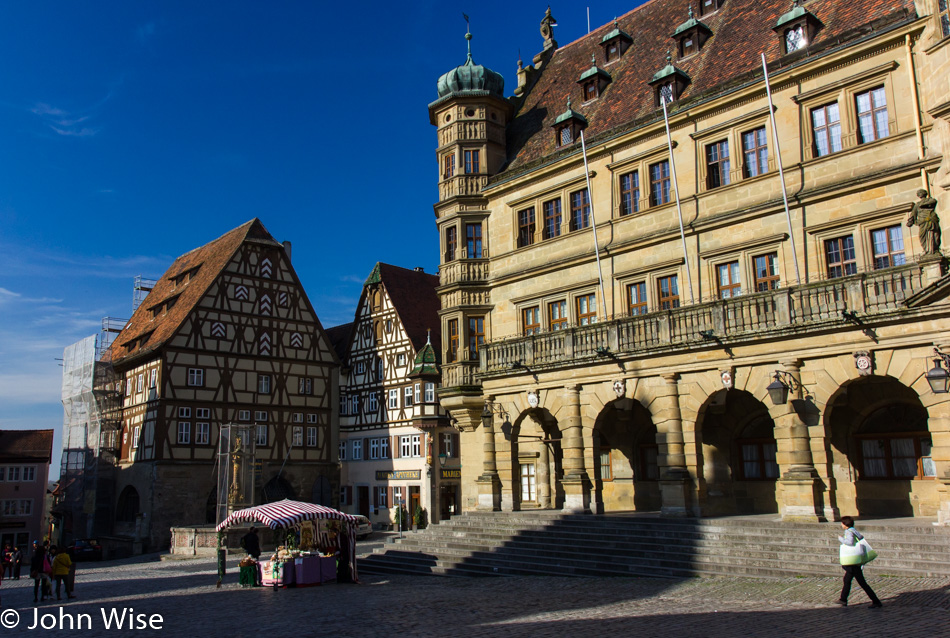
[[679, 209], [593, 224], [781, 171]]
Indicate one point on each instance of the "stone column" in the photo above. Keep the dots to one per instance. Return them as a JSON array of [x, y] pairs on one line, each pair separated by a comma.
[[576, 482], [802, 488], [544, 476], [675, 482], [489, 485]]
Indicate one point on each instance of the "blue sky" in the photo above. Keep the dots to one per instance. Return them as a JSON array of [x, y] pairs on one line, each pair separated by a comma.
[[132, 132]]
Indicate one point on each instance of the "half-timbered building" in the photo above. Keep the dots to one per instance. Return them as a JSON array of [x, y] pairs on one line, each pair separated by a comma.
[[227, 335], [734, 312], [396, 446]]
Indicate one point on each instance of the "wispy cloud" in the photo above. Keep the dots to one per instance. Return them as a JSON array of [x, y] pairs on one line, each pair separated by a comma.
[[71, 123]]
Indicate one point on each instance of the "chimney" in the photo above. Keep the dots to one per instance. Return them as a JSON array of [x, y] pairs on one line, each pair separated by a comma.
[[287, 249]]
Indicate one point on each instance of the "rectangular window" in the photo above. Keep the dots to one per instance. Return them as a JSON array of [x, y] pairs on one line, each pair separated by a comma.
[[344, 404], [416, 445], [728, 276], [384, 447], [373, 449], [13, 474], [612, 50], [196, 377], [649, 470], [451, 243], [298, 436], [839, 257], [260, 415], [202, 433], [531, 320], [526, 227], [586, 310], [476, 336], [660, 183], [360, 367], [637, 298], [139, 383], [152, 378], [942, 7], [717, 164], [311, 418], [311, 436], [888, 246], [184, 412], [473, 237], [373, 403], [629, 193], [3, 473], [557, 315], [756, 153], [263, 384], [590, 90], [26, 507], [405, 446], [471, 162], [447, 448], [580, 210], [244, 415], [203, 413], [342, 452], [357, 449], [298, 417], [872, 115], [905, 457], [766, 272], [552, 218], [605, 466], [407, 396], [381, 496], [393, 398], [262, 435], [415, 392], [453, 352], [669, 293], [528, 486], [29, 474], [355, 406], [826, 125], [305, 386], [135, 437], [448, 166], [430, 392]]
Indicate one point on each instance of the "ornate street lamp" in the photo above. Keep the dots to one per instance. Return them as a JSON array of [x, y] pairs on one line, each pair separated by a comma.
[[778, 389], [938, 377]]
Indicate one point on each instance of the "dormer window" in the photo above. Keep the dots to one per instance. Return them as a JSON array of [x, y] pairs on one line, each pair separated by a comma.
[[615, 44], [668, 83], [565, 135], [590, 90], [666, 93], [593, 81], [797, 28], [709, 6], [691, 35], [568, 126], [688, 47]]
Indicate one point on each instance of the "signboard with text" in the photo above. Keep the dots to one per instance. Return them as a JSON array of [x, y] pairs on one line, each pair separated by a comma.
[[452, 474], [398, 475]]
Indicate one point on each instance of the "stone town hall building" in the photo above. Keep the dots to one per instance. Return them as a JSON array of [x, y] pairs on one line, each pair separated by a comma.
[[650, 390]]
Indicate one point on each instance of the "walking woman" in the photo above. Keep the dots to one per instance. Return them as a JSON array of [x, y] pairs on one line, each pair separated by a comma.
[[39, 564], [851, 538], [61, 566]]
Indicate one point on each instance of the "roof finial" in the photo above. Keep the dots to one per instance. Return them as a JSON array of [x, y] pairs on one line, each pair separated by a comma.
[[520, 61], [468, 35], [568, 102], [669, 57], [690, 11], [428, 336], [593, 60]]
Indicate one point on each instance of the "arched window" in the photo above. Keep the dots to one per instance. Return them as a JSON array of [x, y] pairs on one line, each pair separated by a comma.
[[128, 505], [277, 489]]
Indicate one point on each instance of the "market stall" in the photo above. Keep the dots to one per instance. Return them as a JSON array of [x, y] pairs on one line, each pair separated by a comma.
[[317, 538]]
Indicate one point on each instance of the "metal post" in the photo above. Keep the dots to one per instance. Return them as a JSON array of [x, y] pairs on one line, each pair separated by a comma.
[[781, 171], [593, 224], [679, 209]]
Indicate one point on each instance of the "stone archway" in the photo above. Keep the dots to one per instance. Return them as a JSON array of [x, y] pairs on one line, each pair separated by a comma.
[[127, 507], [737, 455], [880, 446], [536, 461], [624, 459], [277, 489]]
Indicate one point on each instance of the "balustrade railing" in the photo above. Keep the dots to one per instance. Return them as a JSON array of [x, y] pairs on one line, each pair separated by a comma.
[[461, 271], [740, 317]]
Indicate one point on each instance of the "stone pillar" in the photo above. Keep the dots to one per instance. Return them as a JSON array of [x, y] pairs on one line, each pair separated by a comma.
[[675, 482], [544, 476], [489, 485], [576, 482], [802, 489]]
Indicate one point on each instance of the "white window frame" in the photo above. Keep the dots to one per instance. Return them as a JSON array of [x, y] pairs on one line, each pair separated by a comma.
[[381, 496], [311, 418], [405, 446], [373, 449], [305, 386], [13, 474], [373, 403], [447, 445], [407, 396], [341, 454], [360, 367], [136, 432], [202, 433], [184, 432], [261, 433], [417, 392], [196, 377], [393, 398], [311, 436], [298, 436], [244, 415], [416, 445], [202, 413], [263, 384], [139, 383], [184, 412], [152, 378], [357, 449], [384, 447], [430, 392], [298, 417], [400, 359], [260, 415], [26, 507]]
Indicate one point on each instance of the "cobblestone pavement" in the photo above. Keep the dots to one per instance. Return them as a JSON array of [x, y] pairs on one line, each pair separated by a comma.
[[184, 594]]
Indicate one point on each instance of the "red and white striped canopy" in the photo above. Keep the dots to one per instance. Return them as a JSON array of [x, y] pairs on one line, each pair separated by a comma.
[[285, 513]]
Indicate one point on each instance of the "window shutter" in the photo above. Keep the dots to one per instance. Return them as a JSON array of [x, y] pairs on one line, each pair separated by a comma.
[[441, 444], [395, 447], [349, 494], [389, 495], [376, 497], [456, 450]]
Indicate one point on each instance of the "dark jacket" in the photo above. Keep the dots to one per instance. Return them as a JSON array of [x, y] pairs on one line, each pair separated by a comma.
[[251, 544], [36, 562]]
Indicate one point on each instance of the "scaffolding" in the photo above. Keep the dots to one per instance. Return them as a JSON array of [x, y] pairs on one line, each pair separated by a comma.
[[141, 286], [237, 448], [91, 420]]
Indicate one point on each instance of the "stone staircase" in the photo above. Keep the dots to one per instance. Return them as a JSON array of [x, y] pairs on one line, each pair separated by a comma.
[[557, 544]]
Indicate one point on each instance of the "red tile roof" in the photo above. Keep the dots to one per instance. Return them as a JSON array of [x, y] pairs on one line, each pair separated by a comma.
[[26, 445], [414, 297], [207, 262], [742, 30]]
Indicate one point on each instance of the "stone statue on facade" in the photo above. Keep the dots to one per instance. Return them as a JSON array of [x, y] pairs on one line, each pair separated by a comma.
[[236, 493], [924, 216]]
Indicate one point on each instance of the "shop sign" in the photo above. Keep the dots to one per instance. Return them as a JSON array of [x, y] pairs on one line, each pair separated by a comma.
[[398, 475], [452, 474]]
